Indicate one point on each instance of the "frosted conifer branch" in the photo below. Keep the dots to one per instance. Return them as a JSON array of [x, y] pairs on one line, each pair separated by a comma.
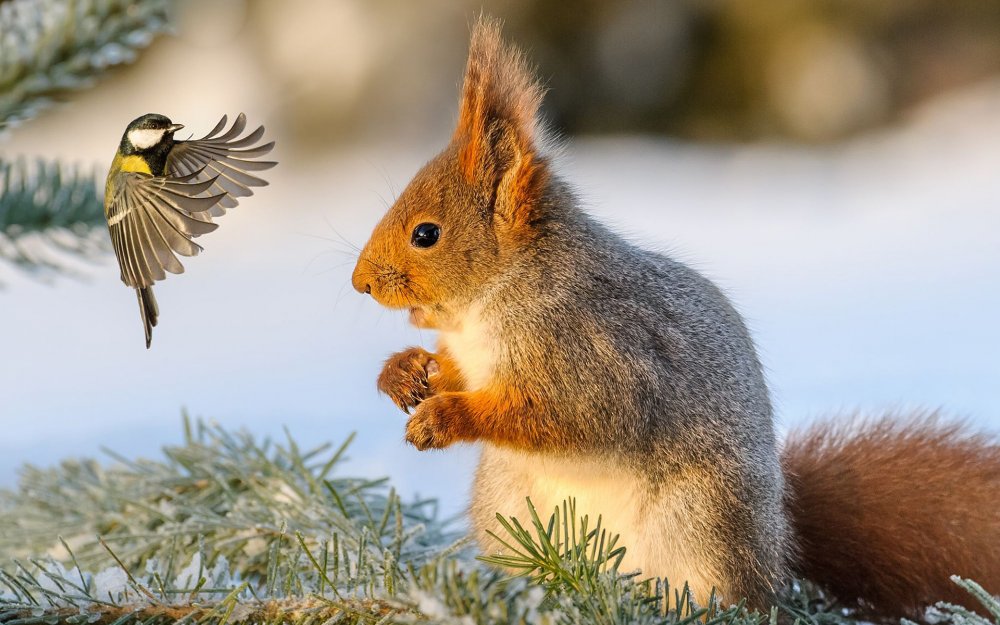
[[48, 213], [227, 530], [49, 47]]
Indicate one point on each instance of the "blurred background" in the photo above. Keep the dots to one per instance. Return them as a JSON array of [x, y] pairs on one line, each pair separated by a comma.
[[833, 165]]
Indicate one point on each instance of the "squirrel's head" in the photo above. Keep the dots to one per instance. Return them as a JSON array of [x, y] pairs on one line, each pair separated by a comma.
[[471, 206]]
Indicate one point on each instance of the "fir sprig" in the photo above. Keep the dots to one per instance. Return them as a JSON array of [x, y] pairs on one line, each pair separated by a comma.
[[575, 563], [48, 47], [563, 552], [248, 501], [46, 213], [227, 530], [960, 615]]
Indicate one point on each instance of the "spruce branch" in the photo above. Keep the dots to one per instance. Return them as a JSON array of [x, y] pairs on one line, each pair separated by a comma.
[[228, 530], [243, 499], [49, 47], [578, 568], [47, 211], [960, 615], [563, 552]]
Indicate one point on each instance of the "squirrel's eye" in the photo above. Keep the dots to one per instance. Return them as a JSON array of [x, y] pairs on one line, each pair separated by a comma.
[[426, 235]]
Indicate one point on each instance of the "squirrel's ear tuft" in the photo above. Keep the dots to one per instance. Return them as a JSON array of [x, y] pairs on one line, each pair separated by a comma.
[[497, 126]]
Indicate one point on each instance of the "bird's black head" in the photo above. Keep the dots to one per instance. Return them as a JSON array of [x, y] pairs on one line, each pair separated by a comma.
[[151, 133]]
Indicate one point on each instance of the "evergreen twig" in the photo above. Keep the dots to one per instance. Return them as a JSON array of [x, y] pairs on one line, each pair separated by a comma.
[[47, 211], [226, 530], [49, 47]]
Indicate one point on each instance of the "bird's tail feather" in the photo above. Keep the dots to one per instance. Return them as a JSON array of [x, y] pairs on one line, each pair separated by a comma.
[[148, 310]]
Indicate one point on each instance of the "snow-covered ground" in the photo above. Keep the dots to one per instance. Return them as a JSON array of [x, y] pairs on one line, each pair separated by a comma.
[[868, 272]]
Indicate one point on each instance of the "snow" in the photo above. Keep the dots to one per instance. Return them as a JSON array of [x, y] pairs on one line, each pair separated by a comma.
[[432, 607], [218, 576], [112, 584], [526, 606], [530, 602], [54, 577]]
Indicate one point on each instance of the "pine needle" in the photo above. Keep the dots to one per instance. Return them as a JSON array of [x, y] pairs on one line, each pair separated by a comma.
[[228, 530]]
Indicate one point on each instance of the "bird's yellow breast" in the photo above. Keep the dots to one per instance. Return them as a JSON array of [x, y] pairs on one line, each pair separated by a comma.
[[131, 163]]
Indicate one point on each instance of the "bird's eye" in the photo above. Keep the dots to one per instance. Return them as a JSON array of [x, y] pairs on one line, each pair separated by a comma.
[[426, 235]]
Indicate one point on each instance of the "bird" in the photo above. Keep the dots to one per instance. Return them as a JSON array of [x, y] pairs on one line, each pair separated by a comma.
[[161, 193]]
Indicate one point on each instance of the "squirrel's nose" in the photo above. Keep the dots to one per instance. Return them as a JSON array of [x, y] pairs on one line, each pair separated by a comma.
[[360, 281]]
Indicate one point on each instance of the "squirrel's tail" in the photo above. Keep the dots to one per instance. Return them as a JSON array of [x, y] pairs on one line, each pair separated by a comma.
[[149, 311], [885, 511]]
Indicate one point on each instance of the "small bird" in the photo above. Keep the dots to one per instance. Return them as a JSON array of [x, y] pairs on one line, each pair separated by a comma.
[[161, 193]]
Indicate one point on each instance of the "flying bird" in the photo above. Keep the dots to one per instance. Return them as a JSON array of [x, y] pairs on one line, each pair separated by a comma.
[[162, 193]]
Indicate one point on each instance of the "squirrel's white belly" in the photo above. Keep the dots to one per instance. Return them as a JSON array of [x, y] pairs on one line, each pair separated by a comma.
[[472, 346], [655, 529], [597, 489]]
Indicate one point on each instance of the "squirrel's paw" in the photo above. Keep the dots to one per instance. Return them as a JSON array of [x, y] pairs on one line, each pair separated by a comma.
[[404, 377], [434, 424]]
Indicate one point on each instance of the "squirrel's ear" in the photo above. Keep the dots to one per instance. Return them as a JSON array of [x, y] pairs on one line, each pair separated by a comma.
[[497, 133]]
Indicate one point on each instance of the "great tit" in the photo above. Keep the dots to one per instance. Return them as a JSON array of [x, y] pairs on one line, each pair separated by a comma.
[[161, 193]]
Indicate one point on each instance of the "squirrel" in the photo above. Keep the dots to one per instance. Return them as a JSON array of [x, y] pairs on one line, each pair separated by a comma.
[[588, 367]]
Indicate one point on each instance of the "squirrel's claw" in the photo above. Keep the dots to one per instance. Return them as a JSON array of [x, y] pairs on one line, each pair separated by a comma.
[[422, 433], [404, 378], [433, 424]]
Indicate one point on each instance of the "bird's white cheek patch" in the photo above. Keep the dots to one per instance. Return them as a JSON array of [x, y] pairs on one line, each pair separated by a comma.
[[144, 138]]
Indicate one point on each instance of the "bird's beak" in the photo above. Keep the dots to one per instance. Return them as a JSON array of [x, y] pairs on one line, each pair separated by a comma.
[[174, 127]]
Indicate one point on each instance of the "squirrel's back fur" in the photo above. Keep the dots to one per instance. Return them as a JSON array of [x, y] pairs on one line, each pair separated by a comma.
[[588, 367], [681, 443]]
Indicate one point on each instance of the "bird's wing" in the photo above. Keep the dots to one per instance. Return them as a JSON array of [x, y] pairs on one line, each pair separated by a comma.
[[226, 157], [153, 217]]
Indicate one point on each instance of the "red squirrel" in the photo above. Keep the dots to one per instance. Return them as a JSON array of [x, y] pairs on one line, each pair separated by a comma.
[[588, 367]]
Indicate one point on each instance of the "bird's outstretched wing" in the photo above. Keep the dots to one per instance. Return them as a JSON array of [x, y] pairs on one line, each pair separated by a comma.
[[153, 217], [225, 157]]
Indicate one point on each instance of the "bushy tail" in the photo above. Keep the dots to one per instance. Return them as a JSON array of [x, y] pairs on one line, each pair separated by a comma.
[[148, 310], [886, 510]]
